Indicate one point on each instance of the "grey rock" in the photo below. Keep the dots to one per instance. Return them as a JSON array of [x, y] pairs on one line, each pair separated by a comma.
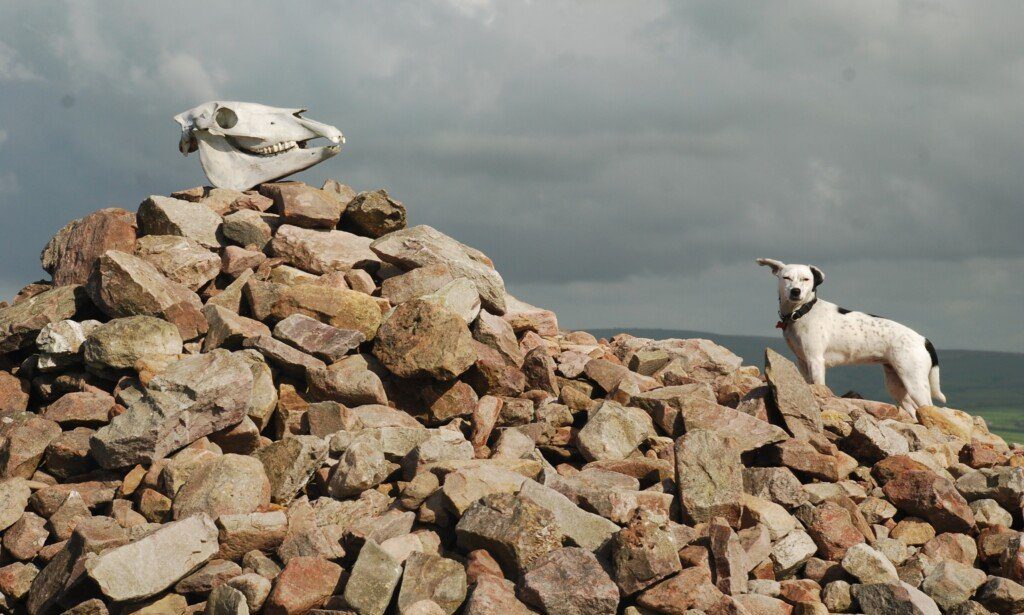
[[422, 245], [154, 563], [570, 581], [613, 431], [316, 338], [290, 463], [792, 396], [114, 347], [160, 215], [709, 476], [226, 600], [192, 398], [435, 578], [228, 485], [372, 581]]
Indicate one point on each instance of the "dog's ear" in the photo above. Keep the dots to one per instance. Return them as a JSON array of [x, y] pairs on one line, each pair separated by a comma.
[[819, 277], [771, 262]]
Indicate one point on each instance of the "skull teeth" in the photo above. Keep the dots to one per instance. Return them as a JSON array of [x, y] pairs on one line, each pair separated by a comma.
[[275, 148]]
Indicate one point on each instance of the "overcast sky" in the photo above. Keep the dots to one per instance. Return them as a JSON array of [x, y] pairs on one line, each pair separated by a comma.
[[623, 163]]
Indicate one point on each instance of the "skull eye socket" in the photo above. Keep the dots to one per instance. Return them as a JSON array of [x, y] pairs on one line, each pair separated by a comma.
[[226, 118]]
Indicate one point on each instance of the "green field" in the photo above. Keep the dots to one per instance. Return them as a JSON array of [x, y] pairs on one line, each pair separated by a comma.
[[988, 384]]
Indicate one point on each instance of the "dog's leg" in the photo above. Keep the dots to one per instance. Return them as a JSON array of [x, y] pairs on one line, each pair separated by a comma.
[[894, 385], [917, 387], [816, 368]]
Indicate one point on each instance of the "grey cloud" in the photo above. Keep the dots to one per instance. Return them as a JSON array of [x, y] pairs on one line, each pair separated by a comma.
[[622, 151]]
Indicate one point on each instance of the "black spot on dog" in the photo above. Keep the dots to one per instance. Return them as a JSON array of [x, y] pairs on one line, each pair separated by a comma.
[[843, 310], [931, 352]]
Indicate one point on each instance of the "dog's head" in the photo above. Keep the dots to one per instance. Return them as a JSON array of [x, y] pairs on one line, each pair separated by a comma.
[[797, 283]]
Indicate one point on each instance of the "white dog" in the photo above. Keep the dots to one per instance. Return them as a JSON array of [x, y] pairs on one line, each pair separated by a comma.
[[822, 335]]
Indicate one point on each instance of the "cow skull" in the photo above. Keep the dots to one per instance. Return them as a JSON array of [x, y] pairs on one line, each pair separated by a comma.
[[243, 144]]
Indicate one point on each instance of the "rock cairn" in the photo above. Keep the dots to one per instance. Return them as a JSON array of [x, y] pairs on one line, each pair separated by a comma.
[[287, 401]]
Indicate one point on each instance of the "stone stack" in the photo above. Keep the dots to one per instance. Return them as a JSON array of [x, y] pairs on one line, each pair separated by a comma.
[[288, 401]]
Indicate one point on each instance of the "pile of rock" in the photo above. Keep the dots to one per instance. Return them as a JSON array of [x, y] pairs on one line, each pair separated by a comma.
[[285, 400]]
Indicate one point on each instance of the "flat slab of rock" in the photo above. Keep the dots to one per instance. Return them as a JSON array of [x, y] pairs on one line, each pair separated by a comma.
[[422, 245], [709, 476], [190, 399], [181, 259], [290, 360], [72, 253], [152, 564], [320, 252], [372, 581], [792, 396], [161, 215], [303, 205], [316, 338], [751, 433]]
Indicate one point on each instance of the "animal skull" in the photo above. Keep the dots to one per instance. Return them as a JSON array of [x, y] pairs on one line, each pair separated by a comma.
[[243, 144]]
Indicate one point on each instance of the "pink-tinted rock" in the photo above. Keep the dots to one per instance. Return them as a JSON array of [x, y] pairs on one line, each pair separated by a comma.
[[125, 285], [570, 581], [320, 251], [73, 251], [927, 495], [304, 584]]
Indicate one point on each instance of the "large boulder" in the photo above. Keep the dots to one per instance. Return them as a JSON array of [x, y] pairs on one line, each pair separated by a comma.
[[160, 215], [155, 562], [72, 253], [191, 398], [115, 347], [422, 245], [423, 339], [125, 285], [709, 476], [228, 485], [320, 252]]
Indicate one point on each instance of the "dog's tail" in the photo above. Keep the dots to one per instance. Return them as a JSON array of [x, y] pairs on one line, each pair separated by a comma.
[[933, 373]]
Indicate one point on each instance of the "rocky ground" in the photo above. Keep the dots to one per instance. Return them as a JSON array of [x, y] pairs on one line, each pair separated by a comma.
[[286, 401]]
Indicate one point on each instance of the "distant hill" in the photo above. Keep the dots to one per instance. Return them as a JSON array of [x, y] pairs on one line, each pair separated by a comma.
[[989, 384]]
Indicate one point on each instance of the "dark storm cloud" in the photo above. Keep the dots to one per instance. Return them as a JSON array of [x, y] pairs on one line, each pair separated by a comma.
[[623, 163]]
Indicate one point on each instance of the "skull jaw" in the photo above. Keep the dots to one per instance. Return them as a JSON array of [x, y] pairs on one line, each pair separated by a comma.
[[228, 167]]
